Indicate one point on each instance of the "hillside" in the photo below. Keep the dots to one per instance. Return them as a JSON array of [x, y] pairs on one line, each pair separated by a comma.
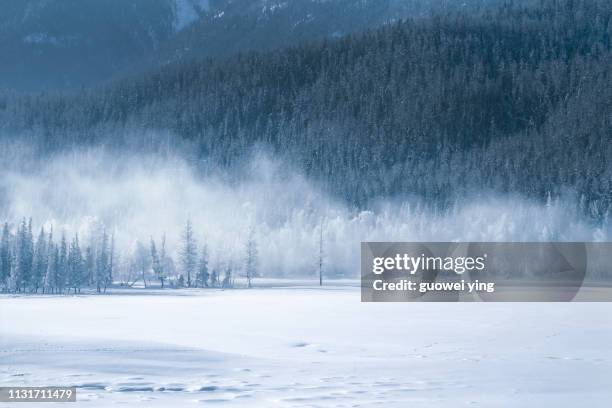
[[231, 26], [69, 44], [514, 100]]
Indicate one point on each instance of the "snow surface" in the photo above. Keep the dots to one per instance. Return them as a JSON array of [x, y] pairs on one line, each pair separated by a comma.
[[306, 347]]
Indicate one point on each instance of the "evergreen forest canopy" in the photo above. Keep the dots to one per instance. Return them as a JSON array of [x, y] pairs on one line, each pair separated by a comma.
[[515, 99]]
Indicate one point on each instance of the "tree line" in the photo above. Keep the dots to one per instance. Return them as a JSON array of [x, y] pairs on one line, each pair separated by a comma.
[[49, 265]]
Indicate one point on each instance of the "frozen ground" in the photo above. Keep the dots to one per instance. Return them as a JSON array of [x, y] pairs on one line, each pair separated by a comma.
[[306, 347]]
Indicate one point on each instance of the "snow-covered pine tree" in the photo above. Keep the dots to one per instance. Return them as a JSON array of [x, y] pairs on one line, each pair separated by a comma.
[[189, 252], [251, 258], [75, 266], [54, 272], [214, 278], [102, 264], [112, 259], [41, 260], [25, 253], [163, 260], [228, 280], [156, 262], [29, 244], [203, 273], [89, 265], [52, 256], [6, 256], [142, 262], [320, 264], [61, 271]]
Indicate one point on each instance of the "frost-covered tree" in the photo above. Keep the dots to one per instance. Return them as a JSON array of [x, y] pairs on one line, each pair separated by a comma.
[[41, 260], [167, 265], [228, 280], [203, 273], [53, 270], [6, 256], [320, 263], [61, 271], [112, 260], [214, 278], [89, 264], [25, 256], [142, 262], [49, 281], [189, 252], [102, 263], [251, 258], [76, 273], [157, 260]]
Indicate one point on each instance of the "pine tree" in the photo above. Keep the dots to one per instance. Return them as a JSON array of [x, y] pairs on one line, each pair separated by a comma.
[[25, 254], [112, 259], [89, 266], [102, 265], [61, 271], [228, 281], [251, 258], [164, 262], [203, 273], [214, 278], [320, 265], [52, 255], [52, 284], [30, 252], [75, 266], [6, 256], [41, 260], [189, 252], [157, 262], [142, 261]]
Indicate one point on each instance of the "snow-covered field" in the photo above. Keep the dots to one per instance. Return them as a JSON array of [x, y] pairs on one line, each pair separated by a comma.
[[306, 347]]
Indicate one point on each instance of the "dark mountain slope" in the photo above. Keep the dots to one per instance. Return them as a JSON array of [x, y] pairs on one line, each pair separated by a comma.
[[514, 100], [67, 44], [233, 26]]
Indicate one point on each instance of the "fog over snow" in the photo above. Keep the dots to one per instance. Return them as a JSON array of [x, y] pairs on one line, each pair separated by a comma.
[[138, 196]]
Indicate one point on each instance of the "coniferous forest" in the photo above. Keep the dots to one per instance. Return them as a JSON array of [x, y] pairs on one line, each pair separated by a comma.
[[44, 263], [514, 100]]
